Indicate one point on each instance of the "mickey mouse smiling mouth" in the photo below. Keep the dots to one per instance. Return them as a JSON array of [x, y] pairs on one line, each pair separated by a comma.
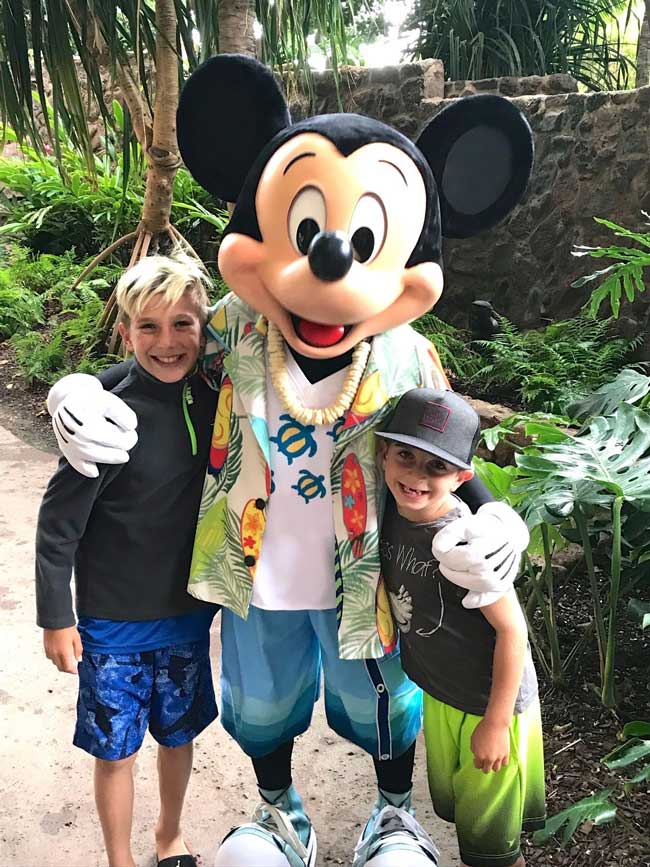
[[330, 269], [318, 335]]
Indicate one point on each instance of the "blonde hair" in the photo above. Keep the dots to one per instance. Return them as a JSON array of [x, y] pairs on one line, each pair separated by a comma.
[[166, 278]]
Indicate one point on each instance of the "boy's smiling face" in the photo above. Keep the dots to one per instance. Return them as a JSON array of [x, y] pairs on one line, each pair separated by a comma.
[[420, 482], [165, 338]]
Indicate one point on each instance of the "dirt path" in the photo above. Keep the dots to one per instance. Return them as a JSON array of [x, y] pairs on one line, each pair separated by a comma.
[[46, 800]]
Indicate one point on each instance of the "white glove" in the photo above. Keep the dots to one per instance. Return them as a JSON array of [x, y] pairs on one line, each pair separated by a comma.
[[482, 552], [91, 425]]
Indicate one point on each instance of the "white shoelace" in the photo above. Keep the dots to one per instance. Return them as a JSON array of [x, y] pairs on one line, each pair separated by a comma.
[[267, 814], [393, 820]]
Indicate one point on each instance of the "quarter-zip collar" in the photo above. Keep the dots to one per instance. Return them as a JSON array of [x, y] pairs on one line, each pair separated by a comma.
[[167, 391], [170, 392]]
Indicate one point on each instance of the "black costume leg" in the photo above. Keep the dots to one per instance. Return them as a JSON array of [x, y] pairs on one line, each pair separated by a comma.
[[273, 771], [396, 775]]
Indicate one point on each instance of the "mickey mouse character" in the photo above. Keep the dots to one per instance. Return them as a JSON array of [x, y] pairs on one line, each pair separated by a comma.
[[333, 247]]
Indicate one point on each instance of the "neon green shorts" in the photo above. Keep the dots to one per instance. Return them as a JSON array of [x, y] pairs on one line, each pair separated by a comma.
[[489, 810]]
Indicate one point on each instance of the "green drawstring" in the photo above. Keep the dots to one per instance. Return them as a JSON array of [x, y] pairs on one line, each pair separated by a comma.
[[188, 400]]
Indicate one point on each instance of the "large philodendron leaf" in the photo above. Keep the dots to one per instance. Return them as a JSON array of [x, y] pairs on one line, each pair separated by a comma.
[[591, 469], [629, 386]]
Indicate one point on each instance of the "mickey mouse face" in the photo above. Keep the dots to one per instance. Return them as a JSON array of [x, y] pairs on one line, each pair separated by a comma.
[[336, 235]]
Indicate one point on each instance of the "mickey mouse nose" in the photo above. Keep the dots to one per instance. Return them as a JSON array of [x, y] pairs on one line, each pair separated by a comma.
[[330, 255]]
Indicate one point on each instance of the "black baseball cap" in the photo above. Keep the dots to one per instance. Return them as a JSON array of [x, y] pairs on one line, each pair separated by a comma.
[[437, 421]]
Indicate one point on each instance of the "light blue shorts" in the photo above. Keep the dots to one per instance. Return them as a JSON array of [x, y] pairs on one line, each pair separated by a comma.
[[270, 680]]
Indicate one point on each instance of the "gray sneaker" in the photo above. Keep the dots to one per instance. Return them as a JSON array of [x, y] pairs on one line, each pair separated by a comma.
[[282, 825], [393, 837]]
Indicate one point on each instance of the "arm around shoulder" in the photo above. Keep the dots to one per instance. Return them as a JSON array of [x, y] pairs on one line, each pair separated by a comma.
[[91, 425]]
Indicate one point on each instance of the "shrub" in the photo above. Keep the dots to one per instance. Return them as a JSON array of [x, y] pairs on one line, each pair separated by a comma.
[[452, 344], [52, 276], [53, 328], [39, 357], [20, 309], [554, 366], [70, 343], [53, 208]]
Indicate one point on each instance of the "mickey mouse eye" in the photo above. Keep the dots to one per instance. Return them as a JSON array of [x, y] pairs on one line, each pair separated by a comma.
[[307, 216], [368, 228]]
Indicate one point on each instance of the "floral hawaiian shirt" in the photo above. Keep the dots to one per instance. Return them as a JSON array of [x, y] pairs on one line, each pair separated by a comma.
[[238, 484]]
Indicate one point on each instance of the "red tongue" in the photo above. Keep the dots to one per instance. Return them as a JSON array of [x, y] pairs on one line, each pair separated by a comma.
[[319, 335]]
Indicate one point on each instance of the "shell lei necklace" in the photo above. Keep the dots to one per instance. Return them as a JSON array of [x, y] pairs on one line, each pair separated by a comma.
[[284, 390]]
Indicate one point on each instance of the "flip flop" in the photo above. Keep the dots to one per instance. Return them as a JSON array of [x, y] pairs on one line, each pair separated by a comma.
[[178, 861]]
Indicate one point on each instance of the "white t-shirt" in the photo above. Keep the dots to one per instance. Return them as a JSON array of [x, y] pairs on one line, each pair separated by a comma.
[[296, 566]]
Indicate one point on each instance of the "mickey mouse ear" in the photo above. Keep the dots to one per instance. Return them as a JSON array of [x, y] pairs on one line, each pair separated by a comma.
[[480, 150], [229, 108]]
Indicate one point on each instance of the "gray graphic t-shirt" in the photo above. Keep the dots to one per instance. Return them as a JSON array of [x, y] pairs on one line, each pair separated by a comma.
[[446, 649]]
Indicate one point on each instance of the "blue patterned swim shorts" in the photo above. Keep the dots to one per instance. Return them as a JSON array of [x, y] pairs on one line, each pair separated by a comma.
[[168, 691]]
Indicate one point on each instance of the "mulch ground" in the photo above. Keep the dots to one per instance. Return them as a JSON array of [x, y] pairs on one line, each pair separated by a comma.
[[578, 730]]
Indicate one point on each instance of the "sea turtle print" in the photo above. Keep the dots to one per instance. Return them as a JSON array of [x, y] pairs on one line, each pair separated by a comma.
[[310, 486], [294, 439]]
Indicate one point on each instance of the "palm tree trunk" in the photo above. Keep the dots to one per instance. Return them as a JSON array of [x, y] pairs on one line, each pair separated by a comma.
[[157, 138], [162, 155], [236, 33], [643, 50]]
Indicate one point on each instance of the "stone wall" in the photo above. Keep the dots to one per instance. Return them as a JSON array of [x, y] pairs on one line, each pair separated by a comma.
[[591, 160], [394, 94], [530, 85]]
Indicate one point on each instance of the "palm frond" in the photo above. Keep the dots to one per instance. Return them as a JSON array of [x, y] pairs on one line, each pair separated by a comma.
[[485, 39], [76, 43]]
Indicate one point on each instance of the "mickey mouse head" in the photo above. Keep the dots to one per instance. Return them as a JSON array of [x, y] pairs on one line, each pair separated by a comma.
[[337, 230]]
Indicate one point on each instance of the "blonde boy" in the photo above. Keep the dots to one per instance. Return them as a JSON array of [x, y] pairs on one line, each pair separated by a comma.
[[138, 643]]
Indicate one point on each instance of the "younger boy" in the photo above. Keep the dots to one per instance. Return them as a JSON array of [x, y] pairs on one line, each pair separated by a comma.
[[481, 712], [141, 643]]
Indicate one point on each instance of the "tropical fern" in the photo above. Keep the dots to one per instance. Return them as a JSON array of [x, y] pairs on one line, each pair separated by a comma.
[[553, 366], [452, 345]]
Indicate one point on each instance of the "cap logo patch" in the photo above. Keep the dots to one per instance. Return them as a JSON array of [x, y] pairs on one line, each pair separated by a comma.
[[435, 416]]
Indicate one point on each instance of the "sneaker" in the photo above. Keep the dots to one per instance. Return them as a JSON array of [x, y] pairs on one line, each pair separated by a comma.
[[283, 825], [394, 831]]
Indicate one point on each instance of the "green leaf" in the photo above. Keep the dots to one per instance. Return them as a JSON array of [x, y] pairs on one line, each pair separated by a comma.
[[612, 454], [542, 426], [643, 776], [627, 754], [629, 386], [624, 276], [582, 281], [11, 228], [637, 728], [622, 232], [118, 114], [497, 479], [592, 469], [218, 219], [597, 809]]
